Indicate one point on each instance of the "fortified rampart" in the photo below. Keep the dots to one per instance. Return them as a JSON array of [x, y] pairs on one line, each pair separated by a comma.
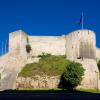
[[79, 46], [18, 40], [49, 44], [75, 45]]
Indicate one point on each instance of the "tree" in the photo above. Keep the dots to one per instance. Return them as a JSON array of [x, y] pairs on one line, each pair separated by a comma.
[[98, 63], [72, 76], [28, 46]]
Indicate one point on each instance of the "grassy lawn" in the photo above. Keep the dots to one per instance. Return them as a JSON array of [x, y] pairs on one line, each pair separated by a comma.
[[58, 89], [90, 90], [36, 89]]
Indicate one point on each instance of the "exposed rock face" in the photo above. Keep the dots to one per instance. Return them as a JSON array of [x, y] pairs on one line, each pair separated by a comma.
[[38, 82]]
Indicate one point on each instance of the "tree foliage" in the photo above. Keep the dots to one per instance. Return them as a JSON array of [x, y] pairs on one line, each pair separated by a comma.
[[72, 75], [98, 63], [28, 48]]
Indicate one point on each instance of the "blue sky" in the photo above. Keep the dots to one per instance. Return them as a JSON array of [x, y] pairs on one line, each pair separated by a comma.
[[48, 17]]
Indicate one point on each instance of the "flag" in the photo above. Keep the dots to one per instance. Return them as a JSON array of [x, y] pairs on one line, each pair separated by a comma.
[[7, 45], [2, 48], [81, 21]]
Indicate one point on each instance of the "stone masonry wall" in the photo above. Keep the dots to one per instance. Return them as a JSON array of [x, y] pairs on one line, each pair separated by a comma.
[[48, 44], [18, 40], [98, 53], [81, 43]]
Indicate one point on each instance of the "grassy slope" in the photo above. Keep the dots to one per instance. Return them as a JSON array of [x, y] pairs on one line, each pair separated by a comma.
[[49, 65]]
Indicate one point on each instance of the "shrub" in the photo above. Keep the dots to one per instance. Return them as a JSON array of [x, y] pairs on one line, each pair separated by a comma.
[[98, 63], [44, 55], [27, 39], [28, 48], [72, 76]]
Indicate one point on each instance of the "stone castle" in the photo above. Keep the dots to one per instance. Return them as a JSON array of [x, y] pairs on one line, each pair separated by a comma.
[[79, 46], [80, 43]]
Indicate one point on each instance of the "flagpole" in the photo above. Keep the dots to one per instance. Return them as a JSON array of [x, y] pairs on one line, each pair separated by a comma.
[[2, 47], [5, 48], [82, 21]]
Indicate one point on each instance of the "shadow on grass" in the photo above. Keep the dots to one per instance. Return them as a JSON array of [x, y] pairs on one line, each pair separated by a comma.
[[43, 91], [48, 95]]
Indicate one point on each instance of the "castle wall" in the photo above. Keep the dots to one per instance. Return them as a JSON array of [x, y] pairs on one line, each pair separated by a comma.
[[98, 53], [14, 40], [76, 44], [18, 40], [81, 43], [88, 45], [48, 44]]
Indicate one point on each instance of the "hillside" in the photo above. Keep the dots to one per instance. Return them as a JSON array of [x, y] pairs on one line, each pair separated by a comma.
[[48, 65]]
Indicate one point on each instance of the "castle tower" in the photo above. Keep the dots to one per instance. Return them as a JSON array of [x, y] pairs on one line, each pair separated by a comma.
[[81, 44], [18, 41]]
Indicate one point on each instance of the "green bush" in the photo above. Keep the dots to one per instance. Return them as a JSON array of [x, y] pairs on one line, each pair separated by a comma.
[[72, 75], [44, 55], [28, 48], [50, 65], [98, 63]]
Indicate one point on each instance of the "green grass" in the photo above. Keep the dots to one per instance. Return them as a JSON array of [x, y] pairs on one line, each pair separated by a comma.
[[50, 65], [59, 89], [89, 90], [37, 89]]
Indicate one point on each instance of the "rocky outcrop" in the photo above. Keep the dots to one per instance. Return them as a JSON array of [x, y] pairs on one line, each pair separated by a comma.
[[38, 82]]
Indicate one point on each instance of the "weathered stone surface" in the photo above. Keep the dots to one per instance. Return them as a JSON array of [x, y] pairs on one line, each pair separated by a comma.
[[38, 82], [91, 75], [11, 65], [90, 78], [80, 43]]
